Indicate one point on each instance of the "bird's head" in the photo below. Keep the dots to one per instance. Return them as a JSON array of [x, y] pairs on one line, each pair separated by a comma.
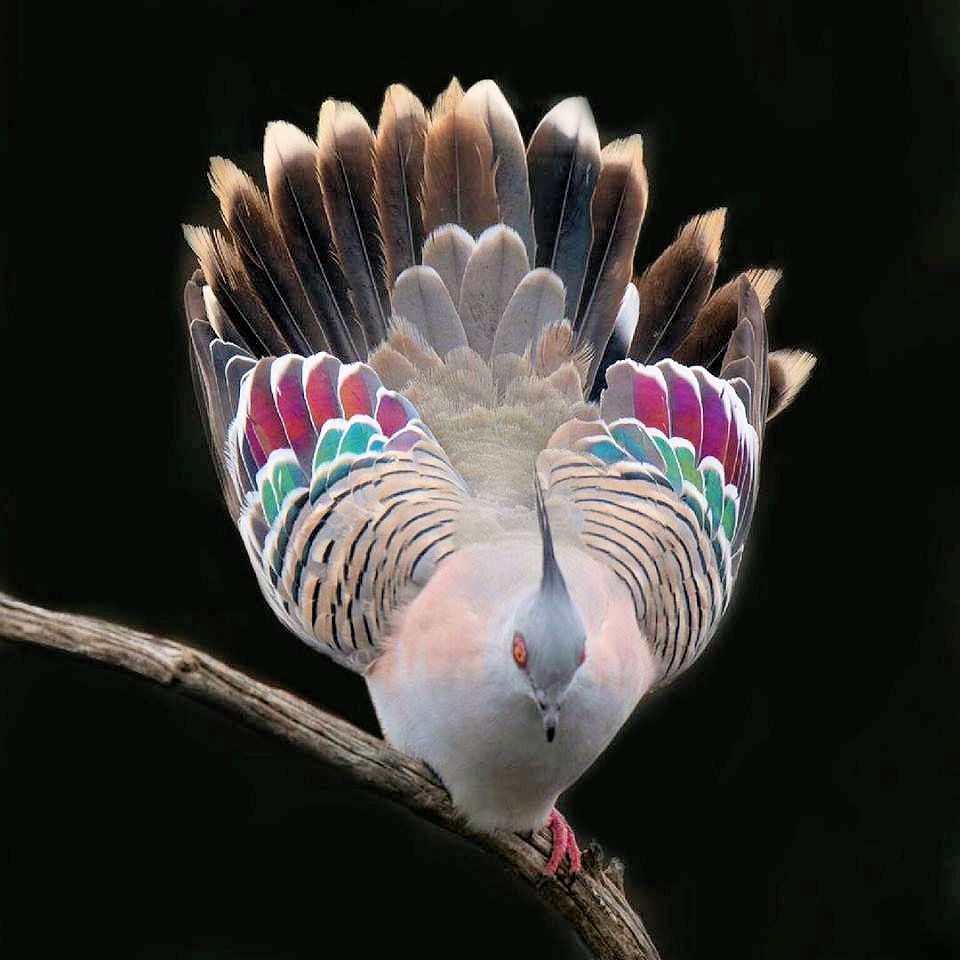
[[547, 636]]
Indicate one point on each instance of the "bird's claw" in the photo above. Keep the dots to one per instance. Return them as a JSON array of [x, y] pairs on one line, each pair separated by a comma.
[[564, 846]]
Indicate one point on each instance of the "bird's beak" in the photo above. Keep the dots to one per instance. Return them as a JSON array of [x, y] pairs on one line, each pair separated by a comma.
[[551, 720]]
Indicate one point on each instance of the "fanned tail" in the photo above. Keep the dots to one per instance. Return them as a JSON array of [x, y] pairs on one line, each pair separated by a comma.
[[443, 230]]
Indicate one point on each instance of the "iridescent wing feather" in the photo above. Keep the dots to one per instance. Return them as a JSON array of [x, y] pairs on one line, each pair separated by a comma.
[[661, 489], [326, 470], [437, 266]]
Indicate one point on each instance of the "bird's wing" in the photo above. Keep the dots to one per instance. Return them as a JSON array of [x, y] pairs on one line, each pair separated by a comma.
[[345, 501], [483, 289], [661, 489]]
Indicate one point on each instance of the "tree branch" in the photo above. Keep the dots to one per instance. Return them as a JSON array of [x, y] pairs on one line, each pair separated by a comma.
[[594, 903]]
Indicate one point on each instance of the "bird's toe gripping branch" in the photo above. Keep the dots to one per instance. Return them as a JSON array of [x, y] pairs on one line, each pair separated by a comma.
[[564, 845]]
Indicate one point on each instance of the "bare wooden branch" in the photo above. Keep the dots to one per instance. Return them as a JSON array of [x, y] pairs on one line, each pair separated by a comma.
[[594, 903]]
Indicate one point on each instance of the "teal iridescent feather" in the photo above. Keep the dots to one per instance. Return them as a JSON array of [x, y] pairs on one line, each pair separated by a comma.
[[328, 443], [713, 491], [359, 433], [673, 472], [286, 476], [268, 497], [729, 519], [633, 437], [687, 459], [606, 450]]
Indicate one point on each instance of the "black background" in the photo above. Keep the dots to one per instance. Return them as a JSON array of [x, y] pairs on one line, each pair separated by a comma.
[[795, 795]]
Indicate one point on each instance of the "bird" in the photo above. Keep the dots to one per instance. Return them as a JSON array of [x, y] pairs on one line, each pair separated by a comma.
[[472, 454]]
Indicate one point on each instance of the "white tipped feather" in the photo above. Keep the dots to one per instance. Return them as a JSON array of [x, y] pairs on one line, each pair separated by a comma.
[[789, 371], [764, 281], [496, 266], [536, 303], [627, 316], [485, 102], [421, 297], [447, 250]]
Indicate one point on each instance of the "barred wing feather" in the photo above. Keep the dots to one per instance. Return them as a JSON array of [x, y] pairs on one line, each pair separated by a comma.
[[661, 488], [344, 500]]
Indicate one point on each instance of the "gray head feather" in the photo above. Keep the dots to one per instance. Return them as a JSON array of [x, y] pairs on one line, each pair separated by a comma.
[[552, 629]]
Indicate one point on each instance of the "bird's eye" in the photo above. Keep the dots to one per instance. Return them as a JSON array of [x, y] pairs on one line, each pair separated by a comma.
[[519, 650]]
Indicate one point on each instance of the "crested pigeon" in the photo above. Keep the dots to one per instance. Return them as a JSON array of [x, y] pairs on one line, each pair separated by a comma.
[[470, 455]]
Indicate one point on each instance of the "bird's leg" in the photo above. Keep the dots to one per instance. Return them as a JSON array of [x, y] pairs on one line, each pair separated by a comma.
[[564, 844]]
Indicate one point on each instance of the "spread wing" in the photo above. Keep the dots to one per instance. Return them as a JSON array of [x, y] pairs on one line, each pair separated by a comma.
[[662, 488], [344, 500], [487, 288]]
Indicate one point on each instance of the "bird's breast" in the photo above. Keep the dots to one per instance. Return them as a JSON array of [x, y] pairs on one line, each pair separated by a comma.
[[446, 694], [488, 745]]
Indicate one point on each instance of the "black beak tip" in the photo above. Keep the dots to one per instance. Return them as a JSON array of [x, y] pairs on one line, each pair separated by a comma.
[[551, 733]]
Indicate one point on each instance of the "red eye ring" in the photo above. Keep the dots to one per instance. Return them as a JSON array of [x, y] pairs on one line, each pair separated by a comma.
[[519, 650]]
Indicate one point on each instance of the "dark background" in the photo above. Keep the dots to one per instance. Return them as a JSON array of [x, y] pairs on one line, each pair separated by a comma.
[[795, 795]]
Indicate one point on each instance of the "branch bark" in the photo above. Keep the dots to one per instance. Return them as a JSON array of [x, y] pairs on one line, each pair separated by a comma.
[[594, 903]]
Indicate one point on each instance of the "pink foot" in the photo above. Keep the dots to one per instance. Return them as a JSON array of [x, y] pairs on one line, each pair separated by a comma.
[[564, 845]]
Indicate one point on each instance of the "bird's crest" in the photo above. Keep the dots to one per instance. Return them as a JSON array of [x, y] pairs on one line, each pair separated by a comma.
[[551, 580]]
